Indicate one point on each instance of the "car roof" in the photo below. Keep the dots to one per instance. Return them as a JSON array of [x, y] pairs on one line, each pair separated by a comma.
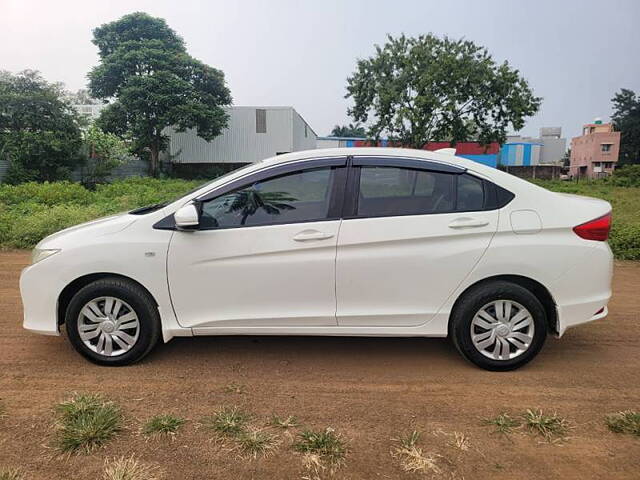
[[504, 179], [433, 156]]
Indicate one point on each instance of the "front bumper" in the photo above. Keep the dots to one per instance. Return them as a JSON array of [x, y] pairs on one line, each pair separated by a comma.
[[39, 301]]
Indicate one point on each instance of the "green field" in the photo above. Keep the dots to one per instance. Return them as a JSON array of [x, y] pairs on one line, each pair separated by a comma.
[[31, 211]]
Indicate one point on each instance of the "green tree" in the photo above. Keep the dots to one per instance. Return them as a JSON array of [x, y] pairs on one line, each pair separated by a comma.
[[103, 153], [626, 120], [152, 84], [350, 130], [39, 130], [428, 88]]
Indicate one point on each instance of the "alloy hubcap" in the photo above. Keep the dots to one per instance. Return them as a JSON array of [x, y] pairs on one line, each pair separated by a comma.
[[502, 330], [108, 326]]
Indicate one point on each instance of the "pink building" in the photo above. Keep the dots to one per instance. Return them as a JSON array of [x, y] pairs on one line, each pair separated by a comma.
[[595, 153]]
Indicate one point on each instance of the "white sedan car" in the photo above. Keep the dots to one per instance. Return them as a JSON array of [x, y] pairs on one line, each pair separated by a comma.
[[354, 242]]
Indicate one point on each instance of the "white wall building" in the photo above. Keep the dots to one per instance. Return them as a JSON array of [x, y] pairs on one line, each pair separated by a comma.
[[253, 134], [90, 111]]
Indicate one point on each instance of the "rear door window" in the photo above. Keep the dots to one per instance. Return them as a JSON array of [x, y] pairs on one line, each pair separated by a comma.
[[392, 191]]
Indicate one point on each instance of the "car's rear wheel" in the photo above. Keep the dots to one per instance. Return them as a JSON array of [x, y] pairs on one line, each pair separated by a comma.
[[499, 326], [112, 321]]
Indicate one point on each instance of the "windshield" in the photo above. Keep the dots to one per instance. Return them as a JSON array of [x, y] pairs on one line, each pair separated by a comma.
[[157, 206]]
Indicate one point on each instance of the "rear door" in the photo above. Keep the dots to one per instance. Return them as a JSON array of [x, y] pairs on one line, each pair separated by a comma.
[[412, 231]]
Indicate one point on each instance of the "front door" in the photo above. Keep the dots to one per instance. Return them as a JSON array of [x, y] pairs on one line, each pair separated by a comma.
[[263, 256], [412, 238]]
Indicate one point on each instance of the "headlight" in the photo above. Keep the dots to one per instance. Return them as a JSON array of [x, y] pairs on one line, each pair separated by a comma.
[[40, 254]]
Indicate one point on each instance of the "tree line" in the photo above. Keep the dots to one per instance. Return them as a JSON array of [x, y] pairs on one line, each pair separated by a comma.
[[413, 90]]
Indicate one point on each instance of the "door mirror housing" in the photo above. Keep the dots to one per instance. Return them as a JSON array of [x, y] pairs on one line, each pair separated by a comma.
[[187, 217]]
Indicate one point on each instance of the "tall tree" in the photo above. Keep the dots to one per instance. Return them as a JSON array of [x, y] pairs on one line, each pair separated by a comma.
[[626, 120], [351, 130], [39, 130], [152, 83], [428, 88]]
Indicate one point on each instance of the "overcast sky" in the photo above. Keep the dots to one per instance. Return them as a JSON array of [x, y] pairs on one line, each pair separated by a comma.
[[575, 54]]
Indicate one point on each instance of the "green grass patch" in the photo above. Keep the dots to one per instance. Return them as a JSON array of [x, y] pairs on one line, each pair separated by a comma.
[[503, 423], [551, 427], [624, 422], [86, 422], [11, 474], [326, 444], [230, 421], [163, 425], [31, 211]]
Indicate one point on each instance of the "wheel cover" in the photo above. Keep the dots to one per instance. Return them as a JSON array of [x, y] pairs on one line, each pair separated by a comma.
[[108, 326], [502, 330]]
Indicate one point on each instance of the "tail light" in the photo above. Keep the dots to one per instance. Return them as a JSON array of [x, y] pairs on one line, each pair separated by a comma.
[[597, 229]]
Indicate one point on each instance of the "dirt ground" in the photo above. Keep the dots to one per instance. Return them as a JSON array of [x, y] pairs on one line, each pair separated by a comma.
[[368, 390]]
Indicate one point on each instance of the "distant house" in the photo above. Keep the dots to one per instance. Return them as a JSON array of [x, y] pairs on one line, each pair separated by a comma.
[[595, 153], [547, 149]]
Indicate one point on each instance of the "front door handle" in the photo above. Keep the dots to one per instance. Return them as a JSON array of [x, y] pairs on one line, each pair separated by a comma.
[[308, 235], [468, 222]]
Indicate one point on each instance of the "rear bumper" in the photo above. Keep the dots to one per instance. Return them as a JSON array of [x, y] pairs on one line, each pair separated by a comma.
[[583, 292]]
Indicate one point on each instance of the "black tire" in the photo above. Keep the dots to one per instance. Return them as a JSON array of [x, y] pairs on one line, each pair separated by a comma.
[[478, 297], [137, 298]]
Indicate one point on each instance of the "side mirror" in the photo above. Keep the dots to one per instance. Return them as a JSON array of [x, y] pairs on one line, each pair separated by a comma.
[[187, 217]]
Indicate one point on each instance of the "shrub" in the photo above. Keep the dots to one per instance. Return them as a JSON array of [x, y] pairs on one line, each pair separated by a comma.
[[54, 193], [626, 176], [625, 241]]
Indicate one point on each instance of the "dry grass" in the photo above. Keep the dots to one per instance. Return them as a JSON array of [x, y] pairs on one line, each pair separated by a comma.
[[503, 423], [624, 422], [324, 452], [283, 422], [163, 425], [551, 427], [460, 441], [129, 468], [256, 443], [230, 421], [86, 422], [234, 387], [411, 457], [11, 474]]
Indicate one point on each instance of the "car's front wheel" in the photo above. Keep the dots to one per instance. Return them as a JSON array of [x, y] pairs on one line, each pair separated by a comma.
[[499, 326], [112, 321]]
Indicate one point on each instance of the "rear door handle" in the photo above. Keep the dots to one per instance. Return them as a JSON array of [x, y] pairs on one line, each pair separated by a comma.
[[308, 235], [468, 222]]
